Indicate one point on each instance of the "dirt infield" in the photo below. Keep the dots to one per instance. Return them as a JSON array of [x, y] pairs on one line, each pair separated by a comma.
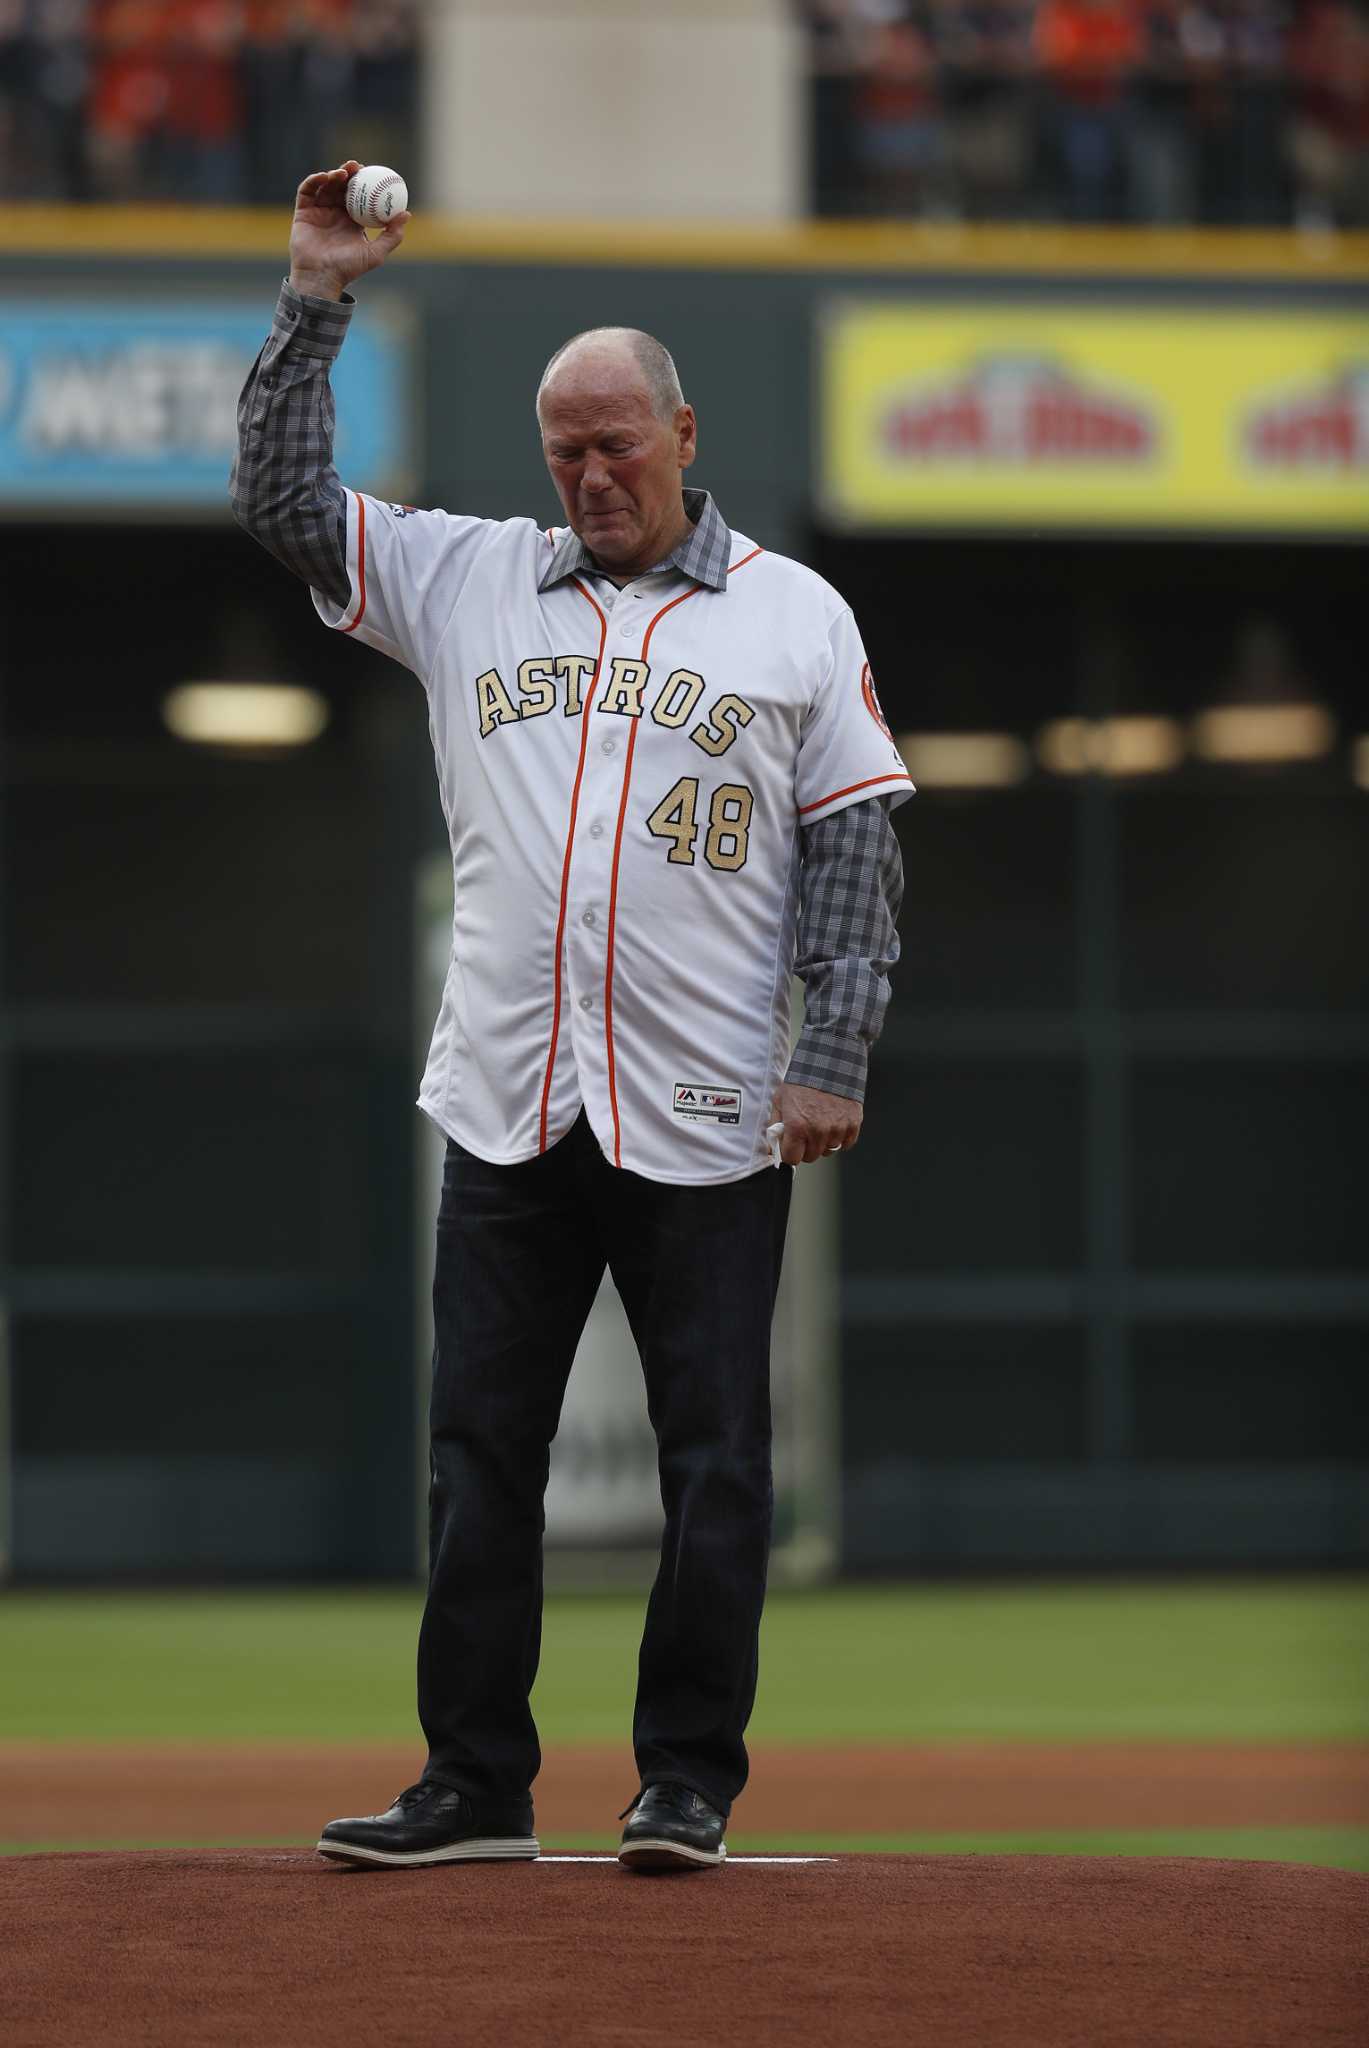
[[172, 1949], [56, 1792]]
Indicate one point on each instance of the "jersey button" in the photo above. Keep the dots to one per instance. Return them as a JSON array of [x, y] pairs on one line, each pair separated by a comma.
[[596, 830], [610, 746], [589, 918], [586, 1002]]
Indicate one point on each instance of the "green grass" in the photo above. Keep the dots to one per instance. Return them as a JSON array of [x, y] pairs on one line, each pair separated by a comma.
[[1282, 1660], [1337, 1848]]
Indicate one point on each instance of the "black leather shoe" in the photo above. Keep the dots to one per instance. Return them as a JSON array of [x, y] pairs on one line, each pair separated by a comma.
[[434, 1824], [671, 1828]]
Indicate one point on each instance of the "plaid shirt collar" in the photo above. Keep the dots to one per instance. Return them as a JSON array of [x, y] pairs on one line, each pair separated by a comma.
[[702, 554]]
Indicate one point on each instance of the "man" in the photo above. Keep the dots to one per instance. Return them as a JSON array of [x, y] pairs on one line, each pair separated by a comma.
[[665, 772]]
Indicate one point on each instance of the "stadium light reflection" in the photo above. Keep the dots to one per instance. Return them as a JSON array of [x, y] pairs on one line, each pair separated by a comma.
[[1264, 732], [244, 714], [965, 760], [1110, 746]]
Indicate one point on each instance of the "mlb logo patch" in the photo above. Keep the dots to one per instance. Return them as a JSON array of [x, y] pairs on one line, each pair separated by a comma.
[[707, 1102]]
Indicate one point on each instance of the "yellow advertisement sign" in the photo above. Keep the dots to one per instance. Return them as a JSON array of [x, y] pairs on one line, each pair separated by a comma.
[[1074, 416]]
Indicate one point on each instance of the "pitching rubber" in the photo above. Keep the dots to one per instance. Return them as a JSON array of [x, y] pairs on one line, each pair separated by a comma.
[[663, 1855], [491, 1849]]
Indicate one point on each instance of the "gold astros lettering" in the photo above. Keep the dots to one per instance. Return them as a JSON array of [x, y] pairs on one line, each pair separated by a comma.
[[574, 670], [626, 681], [541, 678], [494, 703], [535, 677], [681, 693], [726, 715]]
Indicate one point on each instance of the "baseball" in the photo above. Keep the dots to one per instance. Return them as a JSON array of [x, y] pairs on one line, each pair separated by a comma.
[[375, 194]]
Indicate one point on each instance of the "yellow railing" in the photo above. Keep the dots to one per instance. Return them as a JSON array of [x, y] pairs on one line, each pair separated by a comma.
[[893, 247]]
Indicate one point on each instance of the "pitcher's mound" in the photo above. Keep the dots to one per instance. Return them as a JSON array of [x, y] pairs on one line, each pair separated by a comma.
[[179, 1947]]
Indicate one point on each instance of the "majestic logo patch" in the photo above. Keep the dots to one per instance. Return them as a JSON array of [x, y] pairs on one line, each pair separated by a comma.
[[705, 1102]]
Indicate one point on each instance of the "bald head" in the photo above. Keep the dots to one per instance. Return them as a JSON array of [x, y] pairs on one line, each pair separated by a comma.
[[617, 437], [640, 358]]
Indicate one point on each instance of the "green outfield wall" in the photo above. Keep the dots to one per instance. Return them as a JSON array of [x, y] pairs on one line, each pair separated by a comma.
[[1104, 1293]]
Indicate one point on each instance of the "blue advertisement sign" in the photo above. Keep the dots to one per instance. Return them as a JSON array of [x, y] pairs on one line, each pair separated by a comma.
[[106, 406]]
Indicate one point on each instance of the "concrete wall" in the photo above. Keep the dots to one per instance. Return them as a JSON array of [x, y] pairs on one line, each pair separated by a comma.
[[611, 108]]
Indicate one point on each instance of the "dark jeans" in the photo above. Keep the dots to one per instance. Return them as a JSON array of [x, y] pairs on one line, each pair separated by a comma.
[[521, 1251]]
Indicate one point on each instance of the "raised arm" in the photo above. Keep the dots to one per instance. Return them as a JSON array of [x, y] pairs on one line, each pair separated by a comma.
[[284, 489], [328, 250]]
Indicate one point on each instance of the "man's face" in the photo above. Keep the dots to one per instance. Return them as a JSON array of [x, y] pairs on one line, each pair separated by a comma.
[[615, 464]]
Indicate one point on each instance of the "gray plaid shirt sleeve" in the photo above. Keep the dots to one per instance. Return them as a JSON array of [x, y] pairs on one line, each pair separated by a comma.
[[851, 890], [284, 489]]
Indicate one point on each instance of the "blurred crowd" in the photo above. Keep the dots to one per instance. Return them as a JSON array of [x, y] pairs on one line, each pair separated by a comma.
[[1229, 112], [216, 101], [1233, 113]]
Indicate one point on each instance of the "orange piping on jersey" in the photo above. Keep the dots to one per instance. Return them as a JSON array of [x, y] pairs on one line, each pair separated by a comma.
[[361, 564], [617, 849], [565, 863], [850, 790]]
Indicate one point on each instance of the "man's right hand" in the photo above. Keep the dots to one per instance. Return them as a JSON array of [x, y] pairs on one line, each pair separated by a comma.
[[328, 250]]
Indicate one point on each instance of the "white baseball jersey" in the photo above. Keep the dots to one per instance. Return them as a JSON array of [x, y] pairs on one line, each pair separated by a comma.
[[624, 779]]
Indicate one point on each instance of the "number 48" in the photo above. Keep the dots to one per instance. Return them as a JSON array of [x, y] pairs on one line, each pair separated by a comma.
[[729, 821]]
